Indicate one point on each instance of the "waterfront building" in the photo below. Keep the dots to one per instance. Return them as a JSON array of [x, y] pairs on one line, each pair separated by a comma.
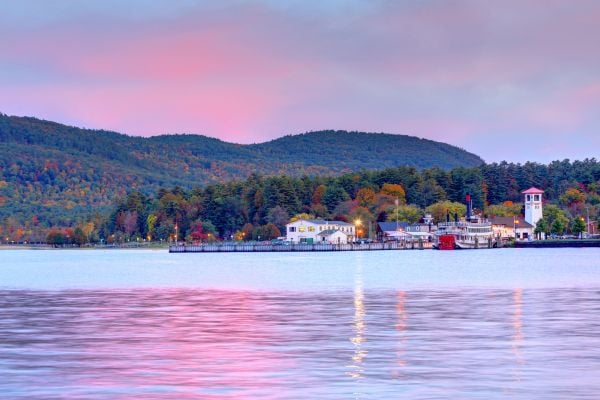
[[318, 230], [403, 230], [511, 227], [533, 205], [334, 236]]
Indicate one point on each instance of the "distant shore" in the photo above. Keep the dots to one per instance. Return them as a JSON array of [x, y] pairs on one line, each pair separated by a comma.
[[558, 243], [50, 247]]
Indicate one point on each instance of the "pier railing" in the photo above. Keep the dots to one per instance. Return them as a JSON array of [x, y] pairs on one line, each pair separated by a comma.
[[259, 247]]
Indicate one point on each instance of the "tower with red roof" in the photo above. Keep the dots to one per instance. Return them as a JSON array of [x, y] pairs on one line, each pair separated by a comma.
[[533, 205]]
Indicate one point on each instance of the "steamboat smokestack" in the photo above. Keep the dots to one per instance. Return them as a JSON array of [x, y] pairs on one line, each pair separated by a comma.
[[469, 206]]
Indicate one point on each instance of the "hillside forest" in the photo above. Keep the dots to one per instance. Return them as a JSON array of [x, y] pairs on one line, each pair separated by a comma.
[[58, 175], [258, 207]]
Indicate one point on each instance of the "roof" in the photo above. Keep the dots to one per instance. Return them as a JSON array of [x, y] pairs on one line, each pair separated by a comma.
[[391, 226], [328, 232], [510, 221], [532, 190], [323, 222]]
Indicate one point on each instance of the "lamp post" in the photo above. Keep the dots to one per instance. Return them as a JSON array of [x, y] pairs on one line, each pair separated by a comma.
[[587, 224], [357, 223], [397, 202]]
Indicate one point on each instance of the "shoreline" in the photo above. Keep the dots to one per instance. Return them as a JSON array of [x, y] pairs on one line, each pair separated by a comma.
[[49, 247]]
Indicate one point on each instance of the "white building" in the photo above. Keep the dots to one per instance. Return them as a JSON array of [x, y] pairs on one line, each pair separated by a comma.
[[533, 205], [333, 236], [318, 230], [511, 227]]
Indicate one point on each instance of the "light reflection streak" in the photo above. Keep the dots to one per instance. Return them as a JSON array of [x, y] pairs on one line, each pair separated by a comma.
[[401, 327], [517, 324], [359, 327]]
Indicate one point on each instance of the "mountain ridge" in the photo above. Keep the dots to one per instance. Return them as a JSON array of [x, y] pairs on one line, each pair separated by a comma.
[[50, 167]]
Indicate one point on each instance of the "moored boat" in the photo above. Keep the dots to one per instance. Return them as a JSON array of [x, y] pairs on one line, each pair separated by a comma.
[[472, 233]]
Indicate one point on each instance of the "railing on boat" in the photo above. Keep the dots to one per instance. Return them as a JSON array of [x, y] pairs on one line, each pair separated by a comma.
[[464, 224]]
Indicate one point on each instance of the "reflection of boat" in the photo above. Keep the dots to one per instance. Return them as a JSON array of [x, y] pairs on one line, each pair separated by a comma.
[[472, 233]]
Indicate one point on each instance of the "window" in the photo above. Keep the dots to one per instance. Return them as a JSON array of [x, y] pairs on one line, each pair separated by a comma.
[[311, 228], [528, 197], [292, 229], [536, 197], [301, 229]]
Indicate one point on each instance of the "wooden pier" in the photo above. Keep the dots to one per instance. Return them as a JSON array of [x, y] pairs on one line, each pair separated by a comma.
[[301, 247]]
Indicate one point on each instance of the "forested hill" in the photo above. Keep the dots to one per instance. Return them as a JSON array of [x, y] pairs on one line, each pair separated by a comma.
[[53, 171]]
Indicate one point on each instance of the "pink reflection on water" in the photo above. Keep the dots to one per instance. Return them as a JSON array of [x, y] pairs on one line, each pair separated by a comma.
[[198, 346], [517, 324], [356, 368], [401, 327]]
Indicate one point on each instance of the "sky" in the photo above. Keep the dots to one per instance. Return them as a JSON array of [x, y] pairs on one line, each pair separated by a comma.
[[515, 80]]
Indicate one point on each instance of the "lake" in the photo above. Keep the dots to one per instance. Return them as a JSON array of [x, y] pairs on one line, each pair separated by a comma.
[[121, 324]]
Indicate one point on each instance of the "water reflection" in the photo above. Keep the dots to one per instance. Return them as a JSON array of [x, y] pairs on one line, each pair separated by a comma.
[[216, 344], [401, 327], [359, 326], [517, 324]]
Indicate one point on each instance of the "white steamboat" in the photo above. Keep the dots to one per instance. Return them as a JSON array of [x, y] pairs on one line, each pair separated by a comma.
[[472, 233]]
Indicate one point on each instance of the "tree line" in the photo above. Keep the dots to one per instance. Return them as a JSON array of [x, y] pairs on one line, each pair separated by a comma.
[[258, 207]]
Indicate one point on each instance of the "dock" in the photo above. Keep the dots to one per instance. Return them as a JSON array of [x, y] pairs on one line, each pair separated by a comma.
[[558, 243], [298, 247]]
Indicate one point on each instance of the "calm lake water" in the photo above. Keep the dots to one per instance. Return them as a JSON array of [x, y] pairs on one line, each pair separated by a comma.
[[507, 323]]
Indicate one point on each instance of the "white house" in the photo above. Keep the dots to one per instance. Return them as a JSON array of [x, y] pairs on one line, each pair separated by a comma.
[[309, 230], [333, 236], [511, 227]]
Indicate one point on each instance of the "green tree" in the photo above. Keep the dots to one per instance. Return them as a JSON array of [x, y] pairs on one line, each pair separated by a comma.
[[541, 227], [56, 238], [333, 196], [555, 218], [578, 226], [79, 237], [506, 209], [439, 210], [572, 196], [150, 225], [303, 216], [409, 213], [558, 226]]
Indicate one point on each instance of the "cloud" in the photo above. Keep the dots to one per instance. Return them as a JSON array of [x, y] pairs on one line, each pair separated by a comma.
[[465, 72]]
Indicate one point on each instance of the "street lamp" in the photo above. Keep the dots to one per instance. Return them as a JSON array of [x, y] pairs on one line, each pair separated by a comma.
[[357, 223], [587, 224]]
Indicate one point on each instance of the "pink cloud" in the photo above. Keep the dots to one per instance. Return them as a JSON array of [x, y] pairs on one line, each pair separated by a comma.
[[454, 71]]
